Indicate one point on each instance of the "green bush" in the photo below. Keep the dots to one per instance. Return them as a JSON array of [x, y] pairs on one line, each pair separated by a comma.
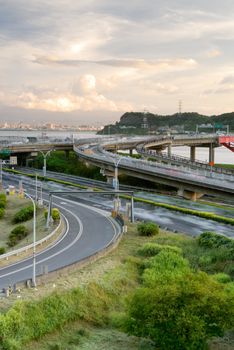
[[3, 200], [147, 229], [55, 214], [214, 240], [17, 234], [222, 277], [177, 308], [2, 250], [3, 197], [23, 215], [2, 204], [152, 249], [2, 212]]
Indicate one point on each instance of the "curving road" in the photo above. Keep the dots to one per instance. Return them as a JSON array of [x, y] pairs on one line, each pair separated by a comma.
[[88, 231]]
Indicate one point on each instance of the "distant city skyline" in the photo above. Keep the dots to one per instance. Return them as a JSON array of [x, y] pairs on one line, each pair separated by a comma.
[[89, 61]]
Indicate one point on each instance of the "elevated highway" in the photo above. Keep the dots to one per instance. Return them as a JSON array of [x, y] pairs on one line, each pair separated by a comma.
[[191, 179], [190, 184]]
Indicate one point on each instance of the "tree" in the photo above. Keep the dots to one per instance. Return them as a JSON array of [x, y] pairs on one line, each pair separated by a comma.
[[180, 309]]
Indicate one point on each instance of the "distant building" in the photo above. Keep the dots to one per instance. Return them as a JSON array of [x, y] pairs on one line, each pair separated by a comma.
[[145, 124]]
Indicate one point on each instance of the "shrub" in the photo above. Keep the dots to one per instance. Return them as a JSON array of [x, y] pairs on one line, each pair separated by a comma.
[[55, 214], [147, 229], [2, 212], [2, 250], [3, 200], [2, 204], [177, 308], [222, 277], [214, 240], [18, 233], [152, 249], [23, 215]]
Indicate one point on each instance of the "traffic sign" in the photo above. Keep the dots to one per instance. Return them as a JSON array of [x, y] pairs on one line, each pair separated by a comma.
[[218, 126], [5, 152], [13, 160]]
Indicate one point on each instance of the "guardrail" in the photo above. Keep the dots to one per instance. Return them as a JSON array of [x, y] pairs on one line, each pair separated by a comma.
[[184, 161], [30, 246]]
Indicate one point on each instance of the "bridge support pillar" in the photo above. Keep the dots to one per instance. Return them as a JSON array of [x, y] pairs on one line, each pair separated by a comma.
[[109, 179], [169, 151], [211, 154], [191, 195], [192, 153], [67, 152]]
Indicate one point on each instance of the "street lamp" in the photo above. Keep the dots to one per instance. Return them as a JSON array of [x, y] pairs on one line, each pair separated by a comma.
[[34, 240], [45, 157]]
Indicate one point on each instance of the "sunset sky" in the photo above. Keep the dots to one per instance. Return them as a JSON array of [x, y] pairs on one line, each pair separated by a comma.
[[92, 60]]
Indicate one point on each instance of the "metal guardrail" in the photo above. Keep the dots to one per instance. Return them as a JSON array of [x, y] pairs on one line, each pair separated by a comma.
[[184, 161], [30, 246]]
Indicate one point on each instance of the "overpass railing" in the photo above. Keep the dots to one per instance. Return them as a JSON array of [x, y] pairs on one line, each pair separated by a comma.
[[163, 156]]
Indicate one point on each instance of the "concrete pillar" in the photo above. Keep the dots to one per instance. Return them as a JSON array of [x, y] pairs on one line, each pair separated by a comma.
[[180, 192], [192, 153], [211, 154], [67, 152], [191, 195], [169, 150], [109, 179]]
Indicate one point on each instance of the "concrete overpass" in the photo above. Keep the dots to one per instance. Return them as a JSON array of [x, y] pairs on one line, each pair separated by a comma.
[[189, 183]]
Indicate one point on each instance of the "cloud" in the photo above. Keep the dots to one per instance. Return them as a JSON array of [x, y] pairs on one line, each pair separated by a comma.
[[57, 101], [213, 53], [229, 79], [162, 64], [158, 87]]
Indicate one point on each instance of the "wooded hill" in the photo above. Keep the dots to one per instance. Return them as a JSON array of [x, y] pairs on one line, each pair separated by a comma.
[[132, 122]]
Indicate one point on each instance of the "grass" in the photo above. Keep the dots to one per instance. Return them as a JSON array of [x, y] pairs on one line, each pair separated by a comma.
[[226, 166], [82, 336], [14, 204], [117, 275]]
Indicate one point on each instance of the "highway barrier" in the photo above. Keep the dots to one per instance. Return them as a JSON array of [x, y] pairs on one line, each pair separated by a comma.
[[19, 251]]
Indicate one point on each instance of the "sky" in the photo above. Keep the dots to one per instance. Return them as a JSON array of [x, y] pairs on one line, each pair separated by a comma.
[[90, 61]]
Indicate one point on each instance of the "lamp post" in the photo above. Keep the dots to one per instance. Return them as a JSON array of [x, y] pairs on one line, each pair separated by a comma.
[[117, 202], [1, 173], [34, 240], [36, 196], [45, 155]]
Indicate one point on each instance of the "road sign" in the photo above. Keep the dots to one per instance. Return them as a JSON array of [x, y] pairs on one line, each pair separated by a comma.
[[5, 152], [13, 160], [218, 126]]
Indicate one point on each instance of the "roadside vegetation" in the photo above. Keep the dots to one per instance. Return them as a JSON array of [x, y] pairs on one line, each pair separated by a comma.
[[17, 223], [226, 166], [159, 291], [69, 164]]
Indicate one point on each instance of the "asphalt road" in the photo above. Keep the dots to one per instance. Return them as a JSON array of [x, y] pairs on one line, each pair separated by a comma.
[[89, 230]]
